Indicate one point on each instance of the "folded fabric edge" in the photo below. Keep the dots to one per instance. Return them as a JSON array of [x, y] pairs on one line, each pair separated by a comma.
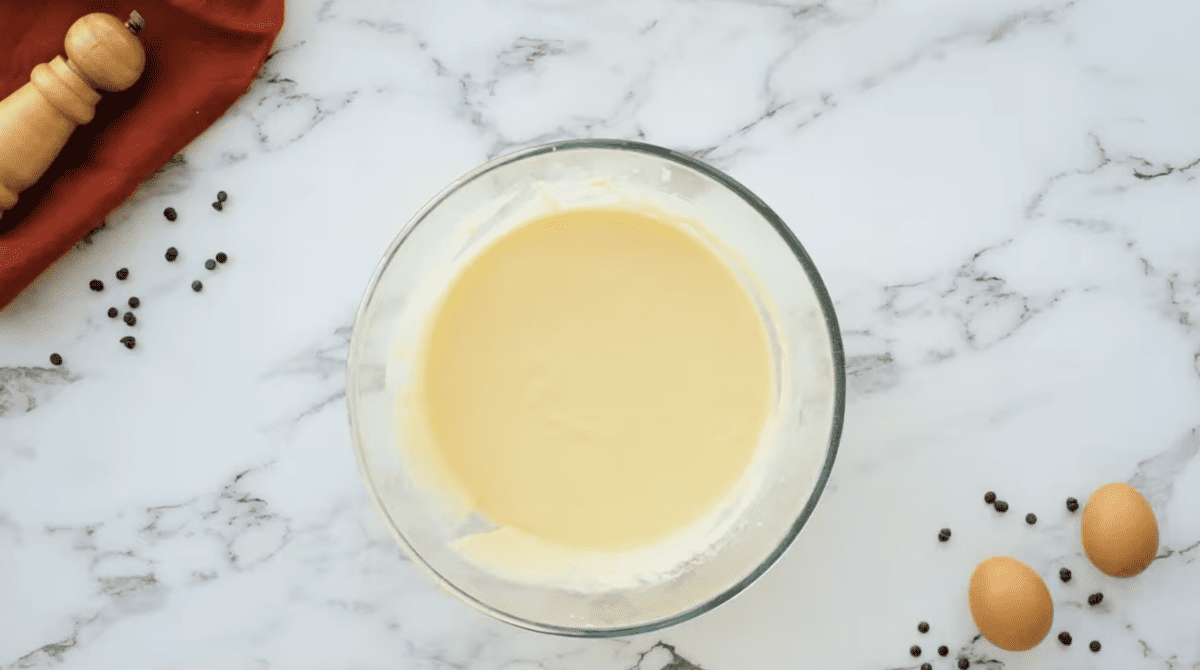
[[16, 276]]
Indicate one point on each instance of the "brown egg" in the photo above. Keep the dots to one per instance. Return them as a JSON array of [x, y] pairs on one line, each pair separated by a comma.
[[1010, 604], [1120, 533]]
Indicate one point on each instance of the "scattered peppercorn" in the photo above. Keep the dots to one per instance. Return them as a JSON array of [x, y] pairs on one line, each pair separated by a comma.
[[1065, 638], [134, 302], [1095, 645], [222, 196], [218, 206], [923, 627], [56, 359], [1001, 506], [196, 286], [221, 257], [943, 650], [1031, 518], [1095, 598], [96, 285], [914, 650], [210, 264], [112, 312], [1072, 504], [123, 274], [170, 214], [128, 341], [172, 254], [963, 663], [926, 666], [1064, 574], [944, 534], [130, 319], [989, 497]]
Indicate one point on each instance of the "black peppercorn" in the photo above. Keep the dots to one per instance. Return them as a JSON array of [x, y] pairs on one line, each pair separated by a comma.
[[1095, 598], [943, 650], [222, 196], [923, 627], [1064, 574], [926, 666], [96, 285], [944, 534], [1065, 638], [123, 274], [134, 302], [128, 341], [1031, 518], [963, 663], [1094, 645], [196, 286], [1001, 506], [172, 254], [56, 359], [112, 312], [170, 214], [210, 264], [221, 257], [130, 319], [989, 497], [218, 206], [914, 650], [1072, 504]]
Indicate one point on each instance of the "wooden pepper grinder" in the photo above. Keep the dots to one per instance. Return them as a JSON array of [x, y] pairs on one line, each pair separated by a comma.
[[38, 118]]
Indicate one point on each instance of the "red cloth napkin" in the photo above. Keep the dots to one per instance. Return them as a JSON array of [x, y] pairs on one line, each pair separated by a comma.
[[201, 56]]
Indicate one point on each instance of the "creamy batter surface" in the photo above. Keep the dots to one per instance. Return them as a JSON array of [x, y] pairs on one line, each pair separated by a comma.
[[596, 379]]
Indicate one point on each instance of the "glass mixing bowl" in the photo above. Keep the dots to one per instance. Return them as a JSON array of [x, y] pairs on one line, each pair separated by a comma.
[[798, 445]]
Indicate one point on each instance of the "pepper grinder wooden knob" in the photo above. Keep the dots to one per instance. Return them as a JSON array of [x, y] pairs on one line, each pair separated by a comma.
[[37, 119]]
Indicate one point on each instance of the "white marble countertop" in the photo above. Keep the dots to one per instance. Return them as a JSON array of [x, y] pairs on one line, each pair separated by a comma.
[[1002, 198]]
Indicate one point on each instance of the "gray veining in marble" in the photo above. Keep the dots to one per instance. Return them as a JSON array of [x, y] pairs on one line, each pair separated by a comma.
[[1001, 196]]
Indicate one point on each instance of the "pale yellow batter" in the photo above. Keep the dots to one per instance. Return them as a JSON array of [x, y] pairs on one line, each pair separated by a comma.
[[597, 379]]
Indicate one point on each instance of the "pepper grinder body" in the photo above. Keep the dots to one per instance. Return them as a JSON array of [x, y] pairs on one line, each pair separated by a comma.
[[37, 119]]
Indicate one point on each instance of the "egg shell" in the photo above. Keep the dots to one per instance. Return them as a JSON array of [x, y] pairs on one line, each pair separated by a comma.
[[1120, 533], [1010, 604]]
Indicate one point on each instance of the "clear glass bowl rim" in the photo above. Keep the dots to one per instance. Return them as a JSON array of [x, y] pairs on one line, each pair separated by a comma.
[[831, 324]]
